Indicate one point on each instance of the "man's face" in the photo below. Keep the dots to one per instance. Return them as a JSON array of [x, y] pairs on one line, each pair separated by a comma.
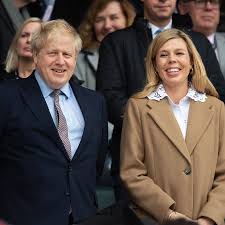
[[205, 16], [56, 60], [159, 12]]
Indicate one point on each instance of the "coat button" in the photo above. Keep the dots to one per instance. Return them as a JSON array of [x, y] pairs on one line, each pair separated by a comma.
[[70, 169], [187, 170]]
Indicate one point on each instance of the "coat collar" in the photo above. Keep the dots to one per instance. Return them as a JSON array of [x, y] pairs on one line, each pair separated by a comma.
[[200, 115]]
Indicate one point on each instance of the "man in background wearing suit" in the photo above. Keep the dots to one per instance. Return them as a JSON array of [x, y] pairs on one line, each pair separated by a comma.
[[51, 134], [205, 16], [121, 69]]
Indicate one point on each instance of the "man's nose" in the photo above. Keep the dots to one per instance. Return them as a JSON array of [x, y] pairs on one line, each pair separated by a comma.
[[208, 5], [60, 59]]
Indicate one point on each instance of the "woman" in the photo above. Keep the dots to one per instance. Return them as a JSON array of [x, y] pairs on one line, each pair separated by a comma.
[[173, 138], [103, 17], [19, 61]]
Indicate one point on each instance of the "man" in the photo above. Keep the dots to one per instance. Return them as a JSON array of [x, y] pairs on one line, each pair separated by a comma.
[[121, 69], [51, 132], [205, 16]]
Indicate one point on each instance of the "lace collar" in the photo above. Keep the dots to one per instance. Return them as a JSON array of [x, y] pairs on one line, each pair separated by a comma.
[[160, 93]]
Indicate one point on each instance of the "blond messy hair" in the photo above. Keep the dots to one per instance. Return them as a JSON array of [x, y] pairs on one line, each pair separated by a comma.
[[52, 28]]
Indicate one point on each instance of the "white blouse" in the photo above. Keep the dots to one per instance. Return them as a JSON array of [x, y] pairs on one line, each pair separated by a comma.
[[180, 110]]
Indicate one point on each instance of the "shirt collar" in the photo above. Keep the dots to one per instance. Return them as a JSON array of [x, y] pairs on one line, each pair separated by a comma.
[[155, 28], [193, 94], [211, 38], [46, 90]]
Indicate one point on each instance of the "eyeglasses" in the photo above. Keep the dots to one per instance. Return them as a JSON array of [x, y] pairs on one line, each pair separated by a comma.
[[203, 3]]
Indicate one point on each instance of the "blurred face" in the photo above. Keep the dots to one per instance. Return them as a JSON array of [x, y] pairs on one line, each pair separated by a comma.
[[173, 64], [108, 20], [24, 41], [56, 60], [205, 16], [159, 12]]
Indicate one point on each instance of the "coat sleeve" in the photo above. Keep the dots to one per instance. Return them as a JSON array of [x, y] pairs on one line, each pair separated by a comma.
[[215, 206], [144, 192], [110, 77]]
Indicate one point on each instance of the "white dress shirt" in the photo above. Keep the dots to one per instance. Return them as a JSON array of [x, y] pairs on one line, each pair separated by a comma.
[[155, 29], [212, 40], [70, 108]]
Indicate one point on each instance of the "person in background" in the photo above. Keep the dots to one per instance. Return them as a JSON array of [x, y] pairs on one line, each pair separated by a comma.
[[173, 139], [205, 16], [102, 18], [121, 69], [53, 134], [12, 14], [19, 61]]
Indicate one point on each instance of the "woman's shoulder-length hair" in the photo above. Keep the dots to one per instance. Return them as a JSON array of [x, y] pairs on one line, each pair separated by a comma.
[[86, 29], [11, 62], [197, 75]]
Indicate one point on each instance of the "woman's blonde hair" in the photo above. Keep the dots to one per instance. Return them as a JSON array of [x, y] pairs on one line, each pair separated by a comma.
[[11, 63], [86, 28], [51, 29], [197, 75]]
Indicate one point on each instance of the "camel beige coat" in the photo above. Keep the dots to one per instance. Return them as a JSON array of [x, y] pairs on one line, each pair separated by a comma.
[[161, 170]]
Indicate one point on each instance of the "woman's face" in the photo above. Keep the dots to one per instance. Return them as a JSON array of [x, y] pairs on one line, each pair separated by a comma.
[[173, 63], [108, 20], [24, 41]]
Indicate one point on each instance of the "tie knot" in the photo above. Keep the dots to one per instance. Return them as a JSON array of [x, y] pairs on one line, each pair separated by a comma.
[[56, 92], [158, 31]]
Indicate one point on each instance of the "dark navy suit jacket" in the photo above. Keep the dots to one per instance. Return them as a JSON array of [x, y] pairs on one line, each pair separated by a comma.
[[38, 181]]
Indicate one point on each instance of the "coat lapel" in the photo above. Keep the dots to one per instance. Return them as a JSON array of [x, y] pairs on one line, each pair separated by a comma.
[[93, 60], [162, 114], [33, 97], [200, 115]]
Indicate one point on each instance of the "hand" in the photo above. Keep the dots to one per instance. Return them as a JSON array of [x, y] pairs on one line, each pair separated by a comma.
[[205, 221], [175, 218]]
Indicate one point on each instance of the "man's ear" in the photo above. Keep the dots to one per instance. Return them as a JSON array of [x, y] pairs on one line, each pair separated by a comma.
[[182, 8]]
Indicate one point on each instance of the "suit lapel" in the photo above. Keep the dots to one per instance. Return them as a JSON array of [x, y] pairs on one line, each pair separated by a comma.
[[163, 116], [33, 97], [83, 102], [220, 38], [200, 115]]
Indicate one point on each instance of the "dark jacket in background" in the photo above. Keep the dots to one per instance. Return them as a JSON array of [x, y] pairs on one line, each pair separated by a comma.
[[72, 11]]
